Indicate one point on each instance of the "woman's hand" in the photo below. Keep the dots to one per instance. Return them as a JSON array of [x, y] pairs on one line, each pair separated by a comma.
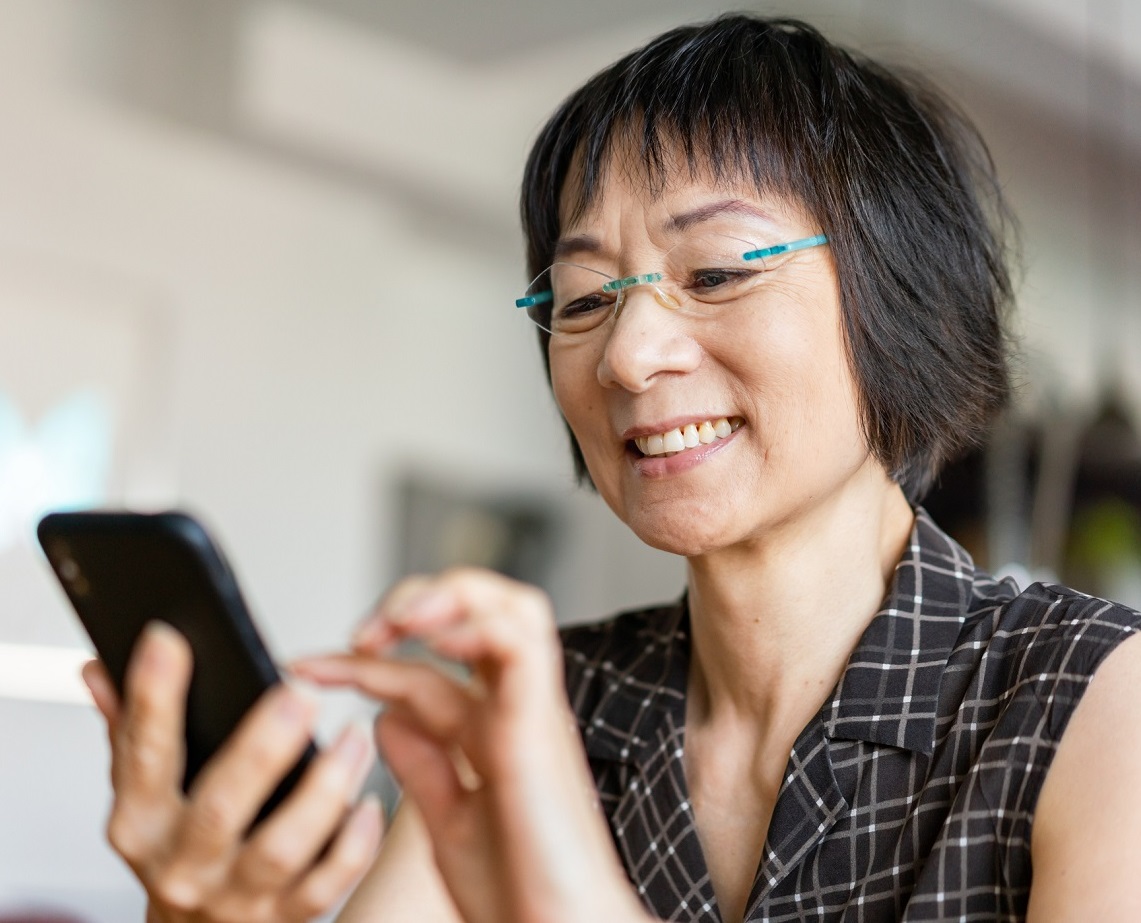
[[191, 853], [494, 764]]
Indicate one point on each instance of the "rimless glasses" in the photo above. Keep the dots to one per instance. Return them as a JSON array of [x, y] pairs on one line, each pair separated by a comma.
[[699, 276]]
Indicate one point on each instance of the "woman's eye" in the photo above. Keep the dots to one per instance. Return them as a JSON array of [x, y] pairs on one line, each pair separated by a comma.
[[582, 306], [709, 279], [583, 313]]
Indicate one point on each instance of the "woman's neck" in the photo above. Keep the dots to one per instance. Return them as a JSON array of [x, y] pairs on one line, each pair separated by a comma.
[[774, 622]]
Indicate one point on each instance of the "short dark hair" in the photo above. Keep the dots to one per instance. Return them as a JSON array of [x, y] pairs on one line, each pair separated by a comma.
[[897, 177]]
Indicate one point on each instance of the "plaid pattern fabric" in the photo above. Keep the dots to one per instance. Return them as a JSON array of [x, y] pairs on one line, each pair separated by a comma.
[[909, 796]]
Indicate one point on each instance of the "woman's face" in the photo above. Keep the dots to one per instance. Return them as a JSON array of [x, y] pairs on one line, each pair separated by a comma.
[[772, 364]]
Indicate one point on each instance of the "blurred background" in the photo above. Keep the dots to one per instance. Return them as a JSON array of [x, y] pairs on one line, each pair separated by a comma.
[[257, 259]]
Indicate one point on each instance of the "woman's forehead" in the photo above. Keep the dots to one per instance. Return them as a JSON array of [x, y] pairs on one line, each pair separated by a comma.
[[675, 203]]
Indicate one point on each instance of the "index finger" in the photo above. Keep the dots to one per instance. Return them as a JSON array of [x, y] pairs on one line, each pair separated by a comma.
[[505, 630], [420, 606], [148, 753], [376, 632]]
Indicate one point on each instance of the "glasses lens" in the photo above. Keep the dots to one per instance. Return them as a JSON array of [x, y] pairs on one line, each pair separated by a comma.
[[702, 274], [567, 298], [708, 271]]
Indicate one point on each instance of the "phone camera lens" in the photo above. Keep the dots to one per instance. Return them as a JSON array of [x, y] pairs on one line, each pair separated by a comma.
[[76, 583]]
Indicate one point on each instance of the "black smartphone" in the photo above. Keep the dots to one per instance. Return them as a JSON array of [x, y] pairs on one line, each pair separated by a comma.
[[122, 570]]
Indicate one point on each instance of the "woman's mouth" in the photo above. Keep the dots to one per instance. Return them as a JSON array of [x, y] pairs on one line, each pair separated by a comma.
[[680, 438]]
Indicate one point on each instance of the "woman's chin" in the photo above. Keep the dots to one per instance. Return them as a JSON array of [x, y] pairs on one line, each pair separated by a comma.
[[685, 535]]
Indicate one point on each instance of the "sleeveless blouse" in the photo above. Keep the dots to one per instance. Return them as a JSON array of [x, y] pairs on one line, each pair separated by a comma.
[[909, 796]]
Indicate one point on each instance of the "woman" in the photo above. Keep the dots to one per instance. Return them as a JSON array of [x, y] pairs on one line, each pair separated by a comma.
[[771, 313]]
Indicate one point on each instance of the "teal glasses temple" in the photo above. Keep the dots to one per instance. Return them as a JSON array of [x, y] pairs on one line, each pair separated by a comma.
[[776, 249], [615, 285]]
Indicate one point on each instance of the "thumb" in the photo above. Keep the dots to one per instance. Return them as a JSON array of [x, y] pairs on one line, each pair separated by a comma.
[[423, 767]]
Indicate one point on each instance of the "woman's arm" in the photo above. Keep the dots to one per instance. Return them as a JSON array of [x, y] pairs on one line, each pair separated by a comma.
[[1086, 840], [403, 885]]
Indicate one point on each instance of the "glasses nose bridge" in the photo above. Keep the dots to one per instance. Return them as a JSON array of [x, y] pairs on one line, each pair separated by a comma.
[[656, 282]]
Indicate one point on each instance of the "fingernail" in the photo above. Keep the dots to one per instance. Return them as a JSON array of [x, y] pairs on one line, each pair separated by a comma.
[[291, 706], [368, 633], [160, 638], [371, 802], [422, 603], [161, 629], [89, 674], [93, 679], [352, 747], [366, 817], [94, 687], [316, 665]]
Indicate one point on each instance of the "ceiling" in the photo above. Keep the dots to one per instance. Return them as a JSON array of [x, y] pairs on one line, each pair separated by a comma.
[[488, 29], [458, 74], [1078, 58]]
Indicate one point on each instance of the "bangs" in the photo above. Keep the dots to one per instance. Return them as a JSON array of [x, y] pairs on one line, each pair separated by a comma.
[[742, 109]]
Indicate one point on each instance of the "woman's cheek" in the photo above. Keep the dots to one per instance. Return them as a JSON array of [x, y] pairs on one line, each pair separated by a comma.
[[566, 385]]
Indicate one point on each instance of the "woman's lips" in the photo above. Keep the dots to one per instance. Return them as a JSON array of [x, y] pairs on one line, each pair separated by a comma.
[[671, 463]]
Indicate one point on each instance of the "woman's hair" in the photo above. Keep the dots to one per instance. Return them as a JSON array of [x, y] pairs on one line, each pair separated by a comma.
[[899, 180]]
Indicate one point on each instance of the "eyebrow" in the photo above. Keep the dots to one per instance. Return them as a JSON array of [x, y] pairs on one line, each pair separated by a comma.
[[588, 243], [686, 220], [581, 243]]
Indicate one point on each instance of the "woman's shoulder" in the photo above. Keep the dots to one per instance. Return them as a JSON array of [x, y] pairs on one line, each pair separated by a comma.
[[1051, 628], [1008, 632], [1033, 654]]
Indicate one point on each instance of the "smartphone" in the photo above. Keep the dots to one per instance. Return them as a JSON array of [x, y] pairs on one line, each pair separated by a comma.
[[122, 570]]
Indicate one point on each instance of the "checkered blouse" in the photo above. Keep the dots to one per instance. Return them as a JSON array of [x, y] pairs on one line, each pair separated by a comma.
[[909, 796]]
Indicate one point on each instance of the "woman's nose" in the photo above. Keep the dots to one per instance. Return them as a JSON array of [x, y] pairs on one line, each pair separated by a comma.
[[646, 339]]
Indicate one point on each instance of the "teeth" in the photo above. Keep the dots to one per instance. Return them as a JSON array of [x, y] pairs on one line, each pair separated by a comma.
[[673, 441], [688, 436]]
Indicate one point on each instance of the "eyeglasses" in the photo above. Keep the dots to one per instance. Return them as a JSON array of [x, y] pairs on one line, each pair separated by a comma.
[[699, 276]]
